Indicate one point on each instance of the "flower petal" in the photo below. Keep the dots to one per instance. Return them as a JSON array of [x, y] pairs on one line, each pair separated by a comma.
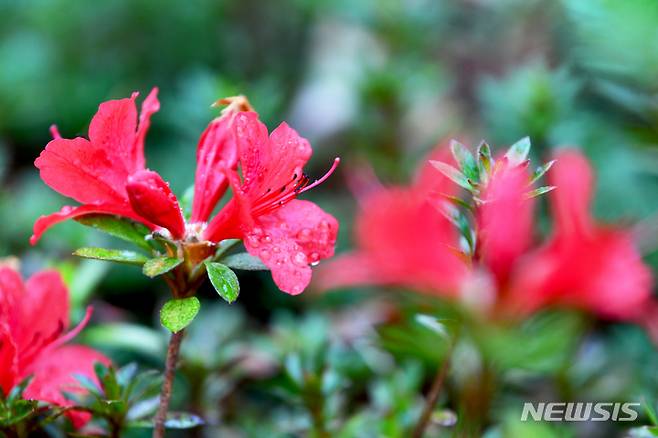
[[8, 358], [268, 164], [505, 221], [54, 373], [151, 197], [11, 294], [216, 152], [80, 170], [572, 175], [68, 212], [290, 239], [150, 106], [113, 129], [602, 273], [44, 311]]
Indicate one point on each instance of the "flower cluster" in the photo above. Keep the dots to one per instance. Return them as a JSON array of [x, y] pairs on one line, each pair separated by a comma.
[[416, 237], [107, 175], [34, 317]]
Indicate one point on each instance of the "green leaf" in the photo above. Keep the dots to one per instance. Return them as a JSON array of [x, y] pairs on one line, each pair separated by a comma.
[[465, 160], [160, 265], [455, 175], [485, 161], [541, 170], [518, 152], [245, 262], [177, 314], [540, 191], [223, 280], [111, 255], [119, 227]]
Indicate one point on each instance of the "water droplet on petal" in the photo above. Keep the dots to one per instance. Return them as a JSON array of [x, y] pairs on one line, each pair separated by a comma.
[[299, 259], [315, 257], [304, 235], [266, 239], [315, 263], [265, 254]]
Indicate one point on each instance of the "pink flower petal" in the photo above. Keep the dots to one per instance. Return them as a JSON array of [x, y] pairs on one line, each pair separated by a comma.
[[80, 170], [151, 197], [54, 373], [268, 164], [150, 106], [505, 221], [216, 152], [289, 240], [572, 175], [113, 129]]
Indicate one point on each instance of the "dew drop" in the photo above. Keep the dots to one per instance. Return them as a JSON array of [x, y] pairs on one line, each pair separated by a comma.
[[265, 254], [299, 259], [266, 239], [304, 235], [315, 258]]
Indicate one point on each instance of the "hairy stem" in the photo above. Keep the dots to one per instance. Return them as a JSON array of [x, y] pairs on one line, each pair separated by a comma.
[[432, 397], [165, 394]]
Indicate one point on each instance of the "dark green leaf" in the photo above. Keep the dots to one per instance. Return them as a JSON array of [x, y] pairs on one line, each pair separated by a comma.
[[111, 255], [161, 265], [223, 280], [177, 314], [244, 261], [116, 226]]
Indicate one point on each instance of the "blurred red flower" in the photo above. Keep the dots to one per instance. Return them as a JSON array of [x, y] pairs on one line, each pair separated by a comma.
[[107, 175], [583, 264], [33, 319], [403, 240]]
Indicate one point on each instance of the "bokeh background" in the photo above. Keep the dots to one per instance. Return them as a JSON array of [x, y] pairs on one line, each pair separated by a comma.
[[371, 81]]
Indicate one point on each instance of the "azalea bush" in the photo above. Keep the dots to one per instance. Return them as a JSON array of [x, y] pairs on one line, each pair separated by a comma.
[[326, 219]]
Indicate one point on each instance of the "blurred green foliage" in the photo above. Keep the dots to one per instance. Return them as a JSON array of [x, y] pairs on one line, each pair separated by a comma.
[[376, 81]]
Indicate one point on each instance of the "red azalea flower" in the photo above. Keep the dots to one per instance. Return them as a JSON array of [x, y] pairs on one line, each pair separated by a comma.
[[504, 220], [107, 175], [584, 264], [287, 234], [94, 172], [403, 239], [33, 319]]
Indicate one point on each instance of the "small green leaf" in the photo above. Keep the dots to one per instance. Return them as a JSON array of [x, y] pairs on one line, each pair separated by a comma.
[[518, 152], [177, 314], [540, 191], [223, 280], [465, 160], [541, 170], [160, 265], [111, 255], [119, 227], [452, 173], [485, 161], [87, 383], [245, 262]]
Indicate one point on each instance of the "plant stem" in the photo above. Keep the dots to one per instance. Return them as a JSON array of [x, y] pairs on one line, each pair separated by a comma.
[[165, 395], [432, 397]]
